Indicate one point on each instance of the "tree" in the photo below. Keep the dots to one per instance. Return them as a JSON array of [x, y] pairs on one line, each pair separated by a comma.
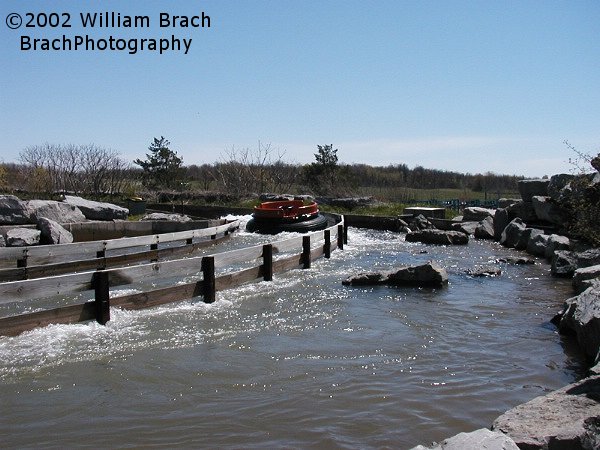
[[162, 167], [322, 175]]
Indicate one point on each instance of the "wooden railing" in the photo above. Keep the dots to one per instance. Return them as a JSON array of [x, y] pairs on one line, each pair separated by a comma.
[[207, 272], [47, 260]]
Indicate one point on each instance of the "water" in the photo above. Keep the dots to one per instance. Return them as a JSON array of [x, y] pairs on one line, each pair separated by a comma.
[[300, 362]]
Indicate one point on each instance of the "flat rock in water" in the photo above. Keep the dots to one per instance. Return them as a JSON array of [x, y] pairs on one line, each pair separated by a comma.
[[484, 272], [568, 418], [429, 274], [438, 237]]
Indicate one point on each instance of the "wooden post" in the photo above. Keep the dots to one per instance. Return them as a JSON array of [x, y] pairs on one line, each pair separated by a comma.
[[306, 252], [213, 237], [268, 262], [188, 241], [340, 236], [208, 273], [327, 245], [154, 247], [101, 297], [345, 233]]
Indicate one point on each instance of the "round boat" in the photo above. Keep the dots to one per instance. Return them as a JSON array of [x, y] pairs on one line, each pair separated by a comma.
[[286, 215]]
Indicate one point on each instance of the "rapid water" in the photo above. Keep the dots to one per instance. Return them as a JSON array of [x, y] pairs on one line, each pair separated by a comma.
[[300, 362]]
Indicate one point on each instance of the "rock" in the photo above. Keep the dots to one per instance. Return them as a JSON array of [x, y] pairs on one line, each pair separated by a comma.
[[557, 185], [166, 217], [501, 220], [420, 222], [429, 274], [58, 211], [270, 197], [2, 241], [526, 235], [529, 188], [556, 242], [588, 258], [518, 260], [13, 211], [97, 210], [484, 272], [438, 237], [582, 277], [22, 237], [465, 227], [53, 233], [485, 229], [581, 316], [522, 210], [564, 419], [506, 202], [512, 233], [482, 439], [537, 245], [476, 214], [564, 264], [549, 211]]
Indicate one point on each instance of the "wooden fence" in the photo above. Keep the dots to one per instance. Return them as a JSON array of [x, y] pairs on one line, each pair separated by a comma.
[[207, 272]]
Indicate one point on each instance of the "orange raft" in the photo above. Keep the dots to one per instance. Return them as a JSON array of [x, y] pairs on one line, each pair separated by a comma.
[[286, 215]]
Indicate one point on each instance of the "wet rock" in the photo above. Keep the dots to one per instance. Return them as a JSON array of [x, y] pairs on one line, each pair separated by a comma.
[[485, 229], [517, 260], [583, 278], [428, 275], [166, 217], [13, 211], [581, 316], [537, 245], [97, 210], [53, 233], [484, 272], [438, 237], [478, 439], [476, 214], [512, 233], [58, 211], [22, 237], [530, 188], [420, 222], [564, 419]]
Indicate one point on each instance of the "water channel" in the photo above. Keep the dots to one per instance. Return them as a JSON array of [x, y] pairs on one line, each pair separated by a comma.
[[299, 362]]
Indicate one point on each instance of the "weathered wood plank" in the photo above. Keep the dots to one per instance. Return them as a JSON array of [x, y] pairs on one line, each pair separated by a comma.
[[14, 291], [237, 256], [14, 325], [157, 297], [235, 279], [289, 263]]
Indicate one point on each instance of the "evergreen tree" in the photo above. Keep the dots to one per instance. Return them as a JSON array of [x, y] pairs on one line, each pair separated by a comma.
[[162, 167]]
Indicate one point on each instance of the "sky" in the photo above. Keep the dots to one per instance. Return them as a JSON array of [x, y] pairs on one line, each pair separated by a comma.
[[468, 86]]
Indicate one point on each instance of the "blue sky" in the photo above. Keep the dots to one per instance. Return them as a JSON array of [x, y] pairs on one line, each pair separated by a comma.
[[469, 86]]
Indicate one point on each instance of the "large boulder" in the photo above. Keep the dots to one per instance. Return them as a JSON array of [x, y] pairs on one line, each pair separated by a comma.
[[564, 264], [529, 188], [478, 439], [549, 211], [501, 220], [556, 242], [22, 237], [166, 217], [568, 418], [526, 236], [2, 241], [582, 278], [581, 316], [506, 202], [476, 214], [438, 237], [13, 211], [522, 210], [97, 210], [465, 227], [419, 222], [557, 185], [512, 233], [52, 232], [429, 274], [58, 211], [538, 244], [485, 229]]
